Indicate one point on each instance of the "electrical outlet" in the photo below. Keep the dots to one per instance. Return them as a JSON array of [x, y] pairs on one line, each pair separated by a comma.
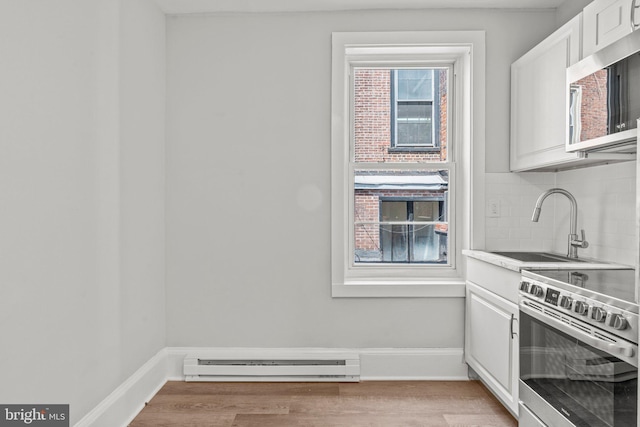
[[493, 208]]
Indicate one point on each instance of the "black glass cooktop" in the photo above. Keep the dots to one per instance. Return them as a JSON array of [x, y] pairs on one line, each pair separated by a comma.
[[618, 284]]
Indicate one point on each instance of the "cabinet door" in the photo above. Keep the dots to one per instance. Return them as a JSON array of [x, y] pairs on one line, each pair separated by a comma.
[[491, 342], [606, 21], [539, 99]]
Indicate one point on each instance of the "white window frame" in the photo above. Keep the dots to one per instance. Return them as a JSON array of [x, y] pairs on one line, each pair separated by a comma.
[[466, 51]]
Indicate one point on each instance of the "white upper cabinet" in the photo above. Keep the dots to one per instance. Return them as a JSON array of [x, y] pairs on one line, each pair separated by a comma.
[[539, 101], [606, 21]]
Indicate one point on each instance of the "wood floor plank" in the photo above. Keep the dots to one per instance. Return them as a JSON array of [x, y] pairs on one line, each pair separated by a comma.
[[179, 419], [249, 389], [344, 420], [418, 406], [441, 389], [383, 404], [235, 404]]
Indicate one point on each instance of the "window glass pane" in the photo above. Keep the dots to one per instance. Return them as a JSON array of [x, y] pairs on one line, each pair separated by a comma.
[[414, 111], [400, 115], [426, 211], [415, 84], [429, 244], [414, 134], [394, 243], [400, 216], [394, 211]]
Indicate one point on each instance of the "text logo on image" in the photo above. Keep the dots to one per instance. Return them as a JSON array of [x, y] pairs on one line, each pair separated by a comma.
[[34, 415]]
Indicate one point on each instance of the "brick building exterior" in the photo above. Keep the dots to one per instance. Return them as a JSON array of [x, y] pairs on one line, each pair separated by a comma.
[[372, 120]]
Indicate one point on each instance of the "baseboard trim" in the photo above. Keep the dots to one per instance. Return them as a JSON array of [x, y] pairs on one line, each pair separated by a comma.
[[125, 402], [404, 364], [379, 364]]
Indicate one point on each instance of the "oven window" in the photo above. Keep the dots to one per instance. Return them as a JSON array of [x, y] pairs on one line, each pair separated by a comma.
[[589, 387]]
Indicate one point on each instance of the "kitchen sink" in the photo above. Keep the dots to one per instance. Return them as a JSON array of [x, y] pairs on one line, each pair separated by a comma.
[[537, 257]]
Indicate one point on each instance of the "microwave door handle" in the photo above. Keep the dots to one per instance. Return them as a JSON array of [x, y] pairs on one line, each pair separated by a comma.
[[634, 6], [610, 348]]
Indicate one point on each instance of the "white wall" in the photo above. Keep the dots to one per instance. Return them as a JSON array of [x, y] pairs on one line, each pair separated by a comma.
[[142, 185], [568, 9], [81, 253], [248, 137]]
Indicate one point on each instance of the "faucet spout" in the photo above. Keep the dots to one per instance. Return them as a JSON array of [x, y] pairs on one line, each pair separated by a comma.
[[536, 214], [573, 241]]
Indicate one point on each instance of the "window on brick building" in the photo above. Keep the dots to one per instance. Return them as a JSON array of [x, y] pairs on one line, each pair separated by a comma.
[[415, 107], [399, 140], [408, 232]]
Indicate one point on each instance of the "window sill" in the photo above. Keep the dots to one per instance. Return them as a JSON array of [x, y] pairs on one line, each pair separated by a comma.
[[446, 288], [414, 149]]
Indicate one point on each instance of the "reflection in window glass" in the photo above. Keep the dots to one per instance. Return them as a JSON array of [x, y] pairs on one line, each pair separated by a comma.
[[415, 84]]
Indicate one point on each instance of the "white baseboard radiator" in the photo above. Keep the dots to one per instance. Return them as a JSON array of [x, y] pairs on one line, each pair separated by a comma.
[[303, 367]]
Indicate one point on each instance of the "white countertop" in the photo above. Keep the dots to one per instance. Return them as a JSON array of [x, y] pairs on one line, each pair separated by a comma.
[[516, 265]]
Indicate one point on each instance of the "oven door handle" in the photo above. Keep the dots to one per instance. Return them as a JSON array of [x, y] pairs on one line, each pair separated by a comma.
[[608, 347]]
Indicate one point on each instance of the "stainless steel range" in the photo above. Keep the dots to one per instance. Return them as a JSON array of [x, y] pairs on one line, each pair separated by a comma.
[[578, 348]]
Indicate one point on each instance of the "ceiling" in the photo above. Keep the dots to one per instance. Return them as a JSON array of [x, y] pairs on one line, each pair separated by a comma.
[[221, 6]]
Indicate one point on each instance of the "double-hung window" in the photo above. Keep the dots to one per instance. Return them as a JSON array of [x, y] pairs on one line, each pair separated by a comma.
[[401, 179]]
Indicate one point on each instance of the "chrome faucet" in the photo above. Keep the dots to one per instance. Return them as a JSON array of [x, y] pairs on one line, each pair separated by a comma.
[[573, 242]]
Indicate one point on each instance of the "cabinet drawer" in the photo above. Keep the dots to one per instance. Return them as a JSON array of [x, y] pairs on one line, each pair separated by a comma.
[[499, 280]]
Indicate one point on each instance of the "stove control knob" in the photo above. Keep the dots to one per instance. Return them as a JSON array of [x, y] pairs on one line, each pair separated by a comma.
[[524, 286], [617, 321], [598, 314], [536, 290], [566, 302], [581, 307]]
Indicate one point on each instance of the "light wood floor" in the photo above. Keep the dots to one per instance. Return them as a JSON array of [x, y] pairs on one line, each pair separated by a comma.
[[384, 404]]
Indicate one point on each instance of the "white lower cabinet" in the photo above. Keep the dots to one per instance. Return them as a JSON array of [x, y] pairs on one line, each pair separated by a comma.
[[491, 342]]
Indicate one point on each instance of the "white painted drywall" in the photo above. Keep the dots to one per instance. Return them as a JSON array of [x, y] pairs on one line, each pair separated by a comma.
[[142, 187], [81, 252], [568, 9], [248, 178]]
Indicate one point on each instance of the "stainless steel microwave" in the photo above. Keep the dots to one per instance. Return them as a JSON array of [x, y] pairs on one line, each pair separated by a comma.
[[604, 98]]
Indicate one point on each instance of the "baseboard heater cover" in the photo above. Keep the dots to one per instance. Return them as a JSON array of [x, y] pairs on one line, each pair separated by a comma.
[[325, 367]]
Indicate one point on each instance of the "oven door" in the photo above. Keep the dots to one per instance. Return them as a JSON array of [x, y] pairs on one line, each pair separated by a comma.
[[569, 377]]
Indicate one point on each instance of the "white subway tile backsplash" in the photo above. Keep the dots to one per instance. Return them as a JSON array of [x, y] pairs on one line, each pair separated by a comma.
[[517, 194], [606, 197], [520, 233]]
